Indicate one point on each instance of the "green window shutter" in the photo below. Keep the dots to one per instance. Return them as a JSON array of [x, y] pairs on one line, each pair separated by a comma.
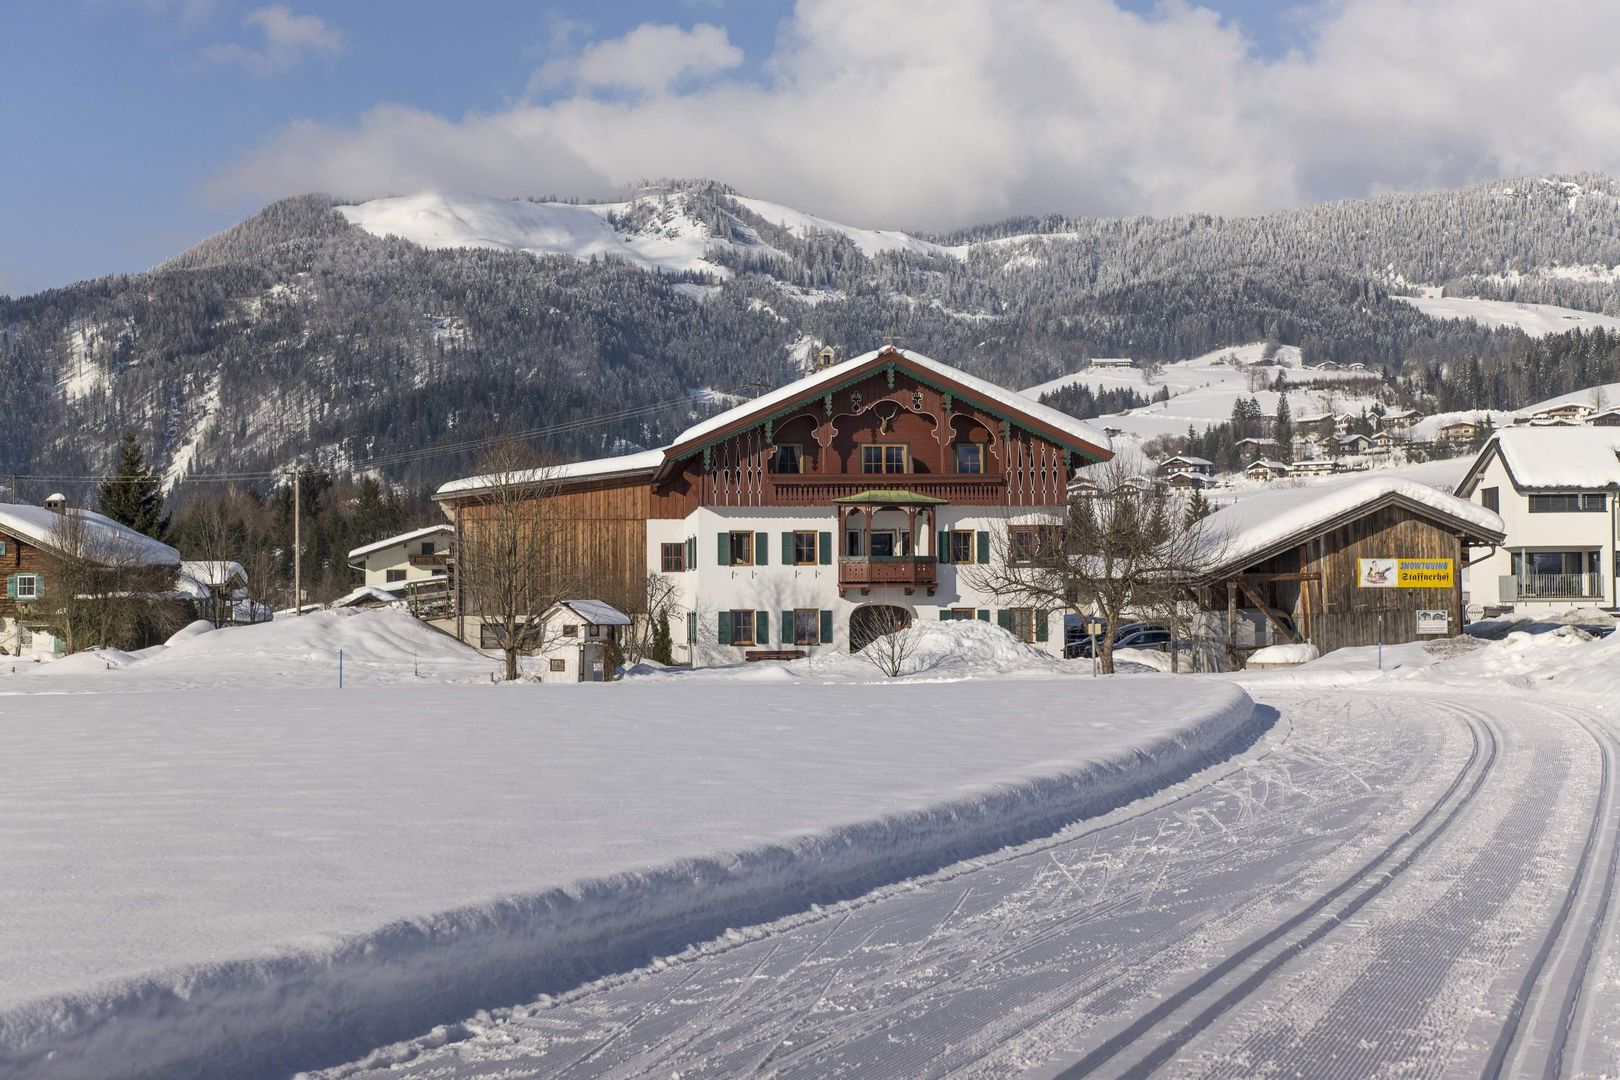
[[942, 546], [1041, 619], [691, 627], [826, 624], [762, 626], [984, 547], [691, 553], [826, 550], [787, 628], [944, 614], [725, 628], [11, 587], [787, 549], [725, 548], [2, 547], [762, 549], [39, 586], [1004, 619], [984, 614]]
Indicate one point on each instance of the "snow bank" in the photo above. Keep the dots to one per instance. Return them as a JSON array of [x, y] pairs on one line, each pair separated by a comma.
[[1283, 655], [248, 884], [379, 646], [956, 649]]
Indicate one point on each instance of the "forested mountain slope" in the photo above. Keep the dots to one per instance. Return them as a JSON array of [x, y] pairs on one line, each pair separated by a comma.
[[301, 332]]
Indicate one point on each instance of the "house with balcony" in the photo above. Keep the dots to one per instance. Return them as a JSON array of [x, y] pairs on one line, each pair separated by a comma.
[[413, 566], [821, 514], [1555, 489]]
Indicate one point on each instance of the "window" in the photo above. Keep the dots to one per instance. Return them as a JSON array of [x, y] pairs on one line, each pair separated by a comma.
[[970, 457], [593, 630], [852, 542], [887, 544], [1022, 623], [1022, 545], [2, 547], [806, 626], [742, 549], [559, 665], [396, 575], [804, 549], [962, 614], [961, 542], [1491, 498], [742, 627], [883, 458], [27, 586], [673, 558], [570, 630], [789, 458], [490, 637], [1568, 502], [427, 547]]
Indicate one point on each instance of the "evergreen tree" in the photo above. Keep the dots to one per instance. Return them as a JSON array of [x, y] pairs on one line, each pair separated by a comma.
[[132, 494], [1285, 428]]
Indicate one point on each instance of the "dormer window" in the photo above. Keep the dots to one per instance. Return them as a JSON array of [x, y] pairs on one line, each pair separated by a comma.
[[884, 458]]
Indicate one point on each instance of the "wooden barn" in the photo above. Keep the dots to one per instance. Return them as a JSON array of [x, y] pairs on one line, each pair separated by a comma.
[[1324, 565]]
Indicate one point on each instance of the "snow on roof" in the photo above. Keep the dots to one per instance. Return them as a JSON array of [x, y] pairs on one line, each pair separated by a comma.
[[402, 538], [597, 612], [105, 538], [1269, 464], [365, 594], [1188, 459], [1558, 457], [212, 572], [1010, 400], [646, 461], [1258, 523]]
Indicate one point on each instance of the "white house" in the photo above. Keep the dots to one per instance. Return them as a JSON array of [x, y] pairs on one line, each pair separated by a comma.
[[1185, 463], [1555, 489], [575, 638], [412, 565], [816, 516], [1111, 362]]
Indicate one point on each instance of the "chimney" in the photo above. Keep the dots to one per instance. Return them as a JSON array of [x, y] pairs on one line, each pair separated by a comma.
[[56, 503]]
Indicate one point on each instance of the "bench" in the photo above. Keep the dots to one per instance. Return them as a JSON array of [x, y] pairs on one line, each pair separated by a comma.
[[755, 655]]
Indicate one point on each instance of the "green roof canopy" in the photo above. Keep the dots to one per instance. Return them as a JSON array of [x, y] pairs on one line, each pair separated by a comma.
[[891, 498]]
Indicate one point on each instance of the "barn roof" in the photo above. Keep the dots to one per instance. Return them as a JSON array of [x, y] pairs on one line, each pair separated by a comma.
[[105, 539]]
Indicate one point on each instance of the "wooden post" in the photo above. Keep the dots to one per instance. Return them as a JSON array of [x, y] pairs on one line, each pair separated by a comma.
[[1231, 622]]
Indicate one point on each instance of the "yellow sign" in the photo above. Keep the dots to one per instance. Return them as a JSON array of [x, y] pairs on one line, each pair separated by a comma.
[[1404, 573]]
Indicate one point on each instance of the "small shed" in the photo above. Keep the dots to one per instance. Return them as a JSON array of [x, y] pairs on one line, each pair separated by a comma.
[[578, 638], [1342, 564]]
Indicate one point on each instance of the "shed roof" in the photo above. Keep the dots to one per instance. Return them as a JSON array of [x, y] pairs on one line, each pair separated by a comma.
[[597, 612], [1558, 458], [890, 497]]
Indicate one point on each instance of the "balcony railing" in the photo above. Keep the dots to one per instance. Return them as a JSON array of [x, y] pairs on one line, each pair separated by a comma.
[[793, 489], [1557, 586], [438, 559], [867, 572]]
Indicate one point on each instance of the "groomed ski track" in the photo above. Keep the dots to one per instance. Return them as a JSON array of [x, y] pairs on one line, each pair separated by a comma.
[[1386, 884]]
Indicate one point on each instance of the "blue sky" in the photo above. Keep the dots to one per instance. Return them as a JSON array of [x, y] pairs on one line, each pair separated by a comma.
[[135, 127]]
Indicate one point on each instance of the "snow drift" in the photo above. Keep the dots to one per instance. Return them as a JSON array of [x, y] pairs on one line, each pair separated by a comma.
[[266, 882]]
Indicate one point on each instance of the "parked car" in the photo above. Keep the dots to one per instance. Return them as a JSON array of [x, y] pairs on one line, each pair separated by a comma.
[[1130, 636]]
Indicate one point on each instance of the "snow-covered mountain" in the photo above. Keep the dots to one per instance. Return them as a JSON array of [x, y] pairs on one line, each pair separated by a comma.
[[369, 334]]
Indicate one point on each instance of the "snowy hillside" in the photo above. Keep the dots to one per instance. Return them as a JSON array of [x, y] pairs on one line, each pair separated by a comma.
[[1204, 388], [1537, 320], [672, 242], [870, 241]]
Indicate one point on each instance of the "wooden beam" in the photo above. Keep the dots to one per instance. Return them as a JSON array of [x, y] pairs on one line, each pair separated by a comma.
[[1265, 609], [1231, 621], [1257, 578]]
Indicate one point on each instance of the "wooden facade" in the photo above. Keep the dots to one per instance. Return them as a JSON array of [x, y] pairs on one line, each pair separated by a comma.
[[1315, 579], [20, 557]]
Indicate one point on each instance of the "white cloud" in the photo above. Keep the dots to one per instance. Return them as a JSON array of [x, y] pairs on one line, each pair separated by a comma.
[[930, 116], [288, 38], [650, 59]]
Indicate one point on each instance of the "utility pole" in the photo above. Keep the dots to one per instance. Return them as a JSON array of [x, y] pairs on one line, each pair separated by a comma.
[[298, 555]]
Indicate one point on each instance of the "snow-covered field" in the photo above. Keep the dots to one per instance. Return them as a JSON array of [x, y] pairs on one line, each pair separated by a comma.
[[216, 862], [1537, 320]]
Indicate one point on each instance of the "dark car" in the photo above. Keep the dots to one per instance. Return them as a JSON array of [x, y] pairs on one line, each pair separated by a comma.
[[1130, 636]]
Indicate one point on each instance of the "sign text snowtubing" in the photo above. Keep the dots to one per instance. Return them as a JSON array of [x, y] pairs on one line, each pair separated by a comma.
[[1404, 573]]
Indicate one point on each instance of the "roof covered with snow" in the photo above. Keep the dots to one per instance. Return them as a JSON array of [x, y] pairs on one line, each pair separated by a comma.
[[998, 397], [105, 539], [1267, 521], [597, 612], [1554, 457], [402, 538], [647, 461], [212, 572]]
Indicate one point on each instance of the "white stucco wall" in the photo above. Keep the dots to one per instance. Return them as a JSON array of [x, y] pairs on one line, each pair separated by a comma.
[[1527, 532], [711, 587], [397, 557]]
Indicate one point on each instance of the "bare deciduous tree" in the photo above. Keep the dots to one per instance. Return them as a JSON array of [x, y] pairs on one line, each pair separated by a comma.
[[1124, 549], [104, 589], [895, 638], [515, 556], [658, 603]]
